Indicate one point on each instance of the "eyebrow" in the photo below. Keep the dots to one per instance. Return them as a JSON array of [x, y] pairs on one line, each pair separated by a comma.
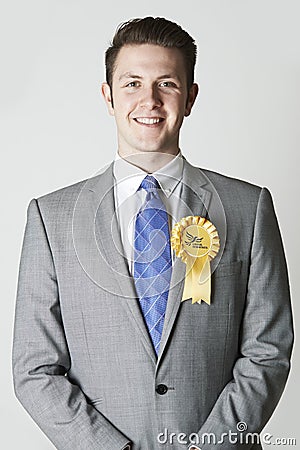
[[129, 75], [138, 77]]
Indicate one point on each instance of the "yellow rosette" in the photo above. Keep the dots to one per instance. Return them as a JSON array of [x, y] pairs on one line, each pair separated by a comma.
[[196, 241]]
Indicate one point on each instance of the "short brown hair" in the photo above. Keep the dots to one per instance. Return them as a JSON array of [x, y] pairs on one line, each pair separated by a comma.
[[156, 31]]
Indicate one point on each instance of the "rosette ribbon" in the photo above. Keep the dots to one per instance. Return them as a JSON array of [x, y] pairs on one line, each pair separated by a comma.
[[196, 241]]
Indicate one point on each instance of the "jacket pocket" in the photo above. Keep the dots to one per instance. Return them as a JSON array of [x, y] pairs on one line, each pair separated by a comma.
[[228, 269]]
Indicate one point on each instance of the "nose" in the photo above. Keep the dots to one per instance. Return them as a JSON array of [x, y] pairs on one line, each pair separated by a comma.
[[150, 98]]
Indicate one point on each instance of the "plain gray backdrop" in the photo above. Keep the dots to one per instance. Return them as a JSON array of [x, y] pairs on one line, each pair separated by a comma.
[[56, 131]]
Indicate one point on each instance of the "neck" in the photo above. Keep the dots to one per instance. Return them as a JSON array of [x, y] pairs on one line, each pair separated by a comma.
[[149, 161]]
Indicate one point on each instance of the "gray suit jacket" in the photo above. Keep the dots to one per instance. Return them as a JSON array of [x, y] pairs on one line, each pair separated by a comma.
[[84, 366]]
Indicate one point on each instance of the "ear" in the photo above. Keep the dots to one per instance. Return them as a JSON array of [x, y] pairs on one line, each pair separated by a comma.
[[107, 95], [191, 98]]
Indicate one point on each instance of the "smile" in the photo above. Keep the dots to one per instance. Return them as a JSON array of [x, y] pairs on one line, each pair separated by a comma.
[[148, 120]]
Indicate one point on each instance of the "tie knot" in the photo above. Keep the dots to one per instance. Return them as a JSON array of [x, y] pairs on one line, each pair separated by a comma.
[[149, 183]]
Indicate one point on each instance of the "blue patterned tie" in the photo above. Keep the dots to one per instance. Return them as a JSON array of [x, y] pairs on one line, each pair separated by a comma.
[[152, 259]]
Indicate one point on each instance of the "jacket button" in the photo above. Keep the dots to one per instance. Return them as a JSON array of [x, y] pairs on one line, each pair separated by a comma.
[[161, 389]]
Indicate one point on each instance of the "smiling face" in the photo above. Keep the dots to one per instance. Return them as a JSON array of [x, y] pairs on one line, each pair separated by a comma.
[[150, 98]]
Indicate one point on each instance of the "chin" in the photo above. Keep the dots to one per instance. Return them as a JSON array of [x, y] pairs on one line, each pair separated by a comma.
[[148, 148]]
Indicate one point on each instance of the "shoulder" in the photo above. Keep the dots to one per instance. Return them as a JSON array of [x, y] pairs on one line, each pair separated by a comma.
[[67, 196], [65, 193], [223, 183], [233, 188], [59, 205], [238, 197]]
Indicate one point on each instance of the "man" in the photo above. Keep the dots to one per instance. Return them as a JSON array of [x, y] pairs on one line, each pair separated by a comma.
[[109, 350]]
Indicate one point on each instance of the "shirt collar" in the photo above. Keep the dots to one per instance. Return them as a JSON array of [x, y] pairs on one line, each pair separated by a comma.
[[129, 177]]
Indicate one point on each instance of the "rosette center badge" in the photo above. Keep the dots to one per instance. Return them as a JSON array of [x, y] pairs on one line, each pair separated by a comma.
[[196, 241]]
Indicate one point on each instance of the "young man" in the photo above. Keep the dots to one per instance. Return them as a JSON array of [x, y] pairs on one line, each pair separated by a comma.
[[113, 349]]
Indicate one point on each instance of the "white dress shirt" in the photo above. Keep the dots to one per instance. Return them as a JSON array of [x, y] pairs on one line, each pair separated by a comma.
[[128, 199]]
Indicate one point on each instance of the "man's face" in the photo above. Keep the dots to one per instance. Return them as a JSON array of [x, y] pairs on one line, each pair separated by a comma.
[[150, 98]]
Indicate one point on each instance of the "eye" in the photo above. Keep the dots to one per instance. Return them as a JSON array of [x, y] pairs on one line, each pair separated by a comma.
[[167, 84], [132, 84]]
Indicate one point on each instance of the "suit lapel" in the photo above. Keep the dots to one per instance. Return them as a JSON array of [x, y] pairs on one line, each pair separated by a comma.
[[194, 201], [100, 251], [109, 242]]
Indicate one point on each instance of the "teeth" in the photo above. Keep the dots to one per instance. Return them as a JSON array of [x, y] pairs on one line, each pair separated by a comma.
[[147, 120]]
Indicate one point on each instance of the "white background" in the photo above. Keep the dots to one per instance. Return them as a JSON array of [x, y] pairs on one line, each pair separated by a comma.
[[56, 131]]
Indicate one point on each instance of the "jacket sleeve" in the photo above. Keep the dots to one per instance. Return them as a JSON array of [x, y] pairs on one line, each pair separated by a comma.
[[266, 339], [40, 354]]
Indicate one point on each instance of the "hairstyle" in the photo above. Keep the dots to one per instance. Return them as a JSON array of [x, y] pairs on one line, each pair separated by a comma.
[[156, 31]]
